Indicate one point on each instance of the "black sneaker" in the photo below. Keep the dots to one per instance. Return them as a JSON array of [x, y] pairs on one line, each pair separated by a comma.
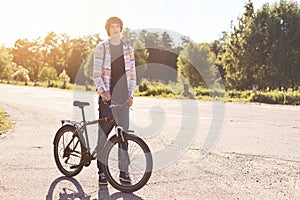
[[102, 179], [125, 178]]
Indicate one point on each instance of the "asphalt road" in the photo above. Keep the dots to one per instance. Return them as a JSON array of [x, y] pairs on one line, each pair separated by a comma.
[[202, 150]]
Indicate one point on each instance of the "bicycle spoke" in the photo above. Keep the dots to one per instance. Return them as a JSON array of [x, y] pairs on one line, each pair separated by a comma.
[[134, 158], [68, 150]]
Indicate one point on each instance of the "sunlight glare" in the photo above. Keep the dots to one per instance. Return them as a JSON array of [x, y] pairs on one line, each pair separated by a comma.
[[34, 18]]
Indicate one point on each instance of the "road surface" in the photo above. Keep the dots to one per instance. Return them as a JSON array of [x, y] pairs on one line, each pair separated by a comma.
[[256, 156]]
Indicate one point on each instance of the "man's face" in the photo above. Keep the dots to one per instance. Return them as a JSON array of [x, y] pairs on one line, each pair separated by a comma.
[[114, 30]]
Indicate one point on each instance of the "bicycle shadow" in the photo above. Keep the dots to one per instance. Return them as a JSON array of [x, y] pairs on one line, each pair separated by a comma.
[[65, 188]]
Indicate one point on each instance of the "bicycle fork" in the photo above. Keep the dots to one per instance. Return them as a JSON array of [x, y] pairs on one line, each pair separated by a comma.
[[119, 133], [123, 155]]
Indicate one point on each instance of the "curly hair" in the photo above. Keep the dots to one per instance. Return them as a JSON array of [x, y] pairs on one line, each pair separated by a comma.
[[113, 20]]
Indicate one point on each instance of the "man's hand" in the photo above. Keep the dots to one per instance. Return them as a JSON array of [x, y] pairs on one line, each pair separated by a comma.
[[130, 101], [105, 96]]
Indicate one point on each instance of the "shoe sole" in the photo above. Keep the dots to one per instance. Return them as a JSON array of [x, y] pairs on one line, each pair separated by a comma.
[[122, 180]]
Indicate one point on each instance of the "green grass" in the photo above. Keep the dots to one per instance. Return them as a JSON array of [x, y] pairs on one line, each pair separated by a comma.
[[5, 122], [176, 91]]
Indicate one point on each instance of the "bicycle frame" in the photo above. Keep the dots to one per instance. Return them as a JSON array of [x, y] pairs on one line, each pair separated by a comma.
[[81, 129]]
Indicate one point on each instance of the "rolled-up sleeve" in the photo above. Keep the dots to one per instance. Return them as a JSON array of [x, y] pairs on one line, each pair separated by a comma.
[[99, 68], [132, 76]]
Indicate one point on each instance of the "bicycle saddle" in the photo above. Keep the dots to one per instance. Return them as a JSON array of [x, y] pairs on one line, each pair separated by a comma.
[[80, 104]]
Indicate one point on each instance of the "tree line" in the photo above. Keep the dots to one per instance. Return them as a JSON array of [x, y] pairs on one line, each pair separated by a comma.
[[262, 49]]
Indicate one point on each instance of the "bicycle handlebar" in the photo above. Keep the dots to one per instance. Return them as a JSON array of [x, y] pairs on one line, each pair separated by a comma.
[[115, 105], [112, 104]]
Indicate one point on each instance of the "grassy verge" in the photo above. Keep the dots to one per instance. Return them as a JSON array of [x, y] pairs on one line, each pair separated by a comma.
[[177, 91], [5, 122], [52, 84]]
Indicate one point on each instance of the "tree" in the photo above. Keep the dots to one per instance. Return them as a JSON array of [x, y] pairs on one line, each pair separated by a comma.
[[141, 56], [236, 64], [166, 41], [29, 55], [88, 66], [51, 51], [129, 37], [76, 58], [151, 40], [195, 65], [65, 52], [7, 66], [284, 50], [47, 74], [8, 72], [264, 47], [217, 47], [87, 63], [82, 61]]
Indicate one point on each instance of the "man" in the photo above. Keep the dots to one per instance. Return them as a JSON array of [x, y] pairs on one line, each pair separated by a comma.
[[115, 78]]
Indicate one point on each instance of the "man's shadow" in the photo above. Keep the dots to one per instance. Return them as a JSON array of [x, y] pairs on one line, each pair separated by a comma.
[[66, 188]]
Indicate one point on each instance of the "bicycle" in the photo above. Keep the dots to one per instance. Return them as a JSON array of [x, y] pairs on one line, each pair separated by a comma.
[[72, 151]]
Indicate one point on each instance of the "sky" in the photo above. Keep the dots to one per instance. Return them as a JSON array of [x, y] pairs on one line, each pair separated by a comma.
[[200, 20]]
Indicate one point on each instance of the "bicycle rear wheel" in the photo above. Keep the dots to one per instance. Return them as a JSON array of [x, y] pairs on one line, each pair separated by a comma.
[[139, 163], [68, 151]]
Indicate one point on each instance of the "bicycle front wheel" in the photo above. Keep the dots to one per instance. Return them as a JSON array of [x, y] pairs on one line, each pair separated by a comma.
[[68, 151], [138, 163]]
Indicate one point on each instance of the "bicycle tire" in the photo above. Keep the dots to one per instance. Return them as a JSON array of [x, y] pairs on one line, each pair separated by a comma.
[[63, 136], [139, 154]]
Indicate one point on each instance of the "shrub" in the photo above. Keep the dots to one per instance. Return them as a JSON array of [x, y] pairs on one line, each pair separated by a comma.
[[63, 77], [21, 74], [48, 73], [202, 92], [147, 88], [277, 98]]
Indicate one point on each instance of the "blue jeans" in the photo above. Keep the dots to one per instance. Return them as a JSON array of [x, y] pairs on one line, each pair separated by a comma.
[[121, 117]]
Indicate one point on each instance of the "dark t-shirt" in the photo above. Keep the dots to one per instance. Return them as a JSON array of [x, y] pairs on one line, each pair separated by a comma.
[[118, 88]]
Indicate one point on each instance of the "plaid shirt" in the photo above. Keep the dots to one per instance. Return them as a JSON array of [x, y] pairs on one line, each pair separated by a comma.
[[102, 72]]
